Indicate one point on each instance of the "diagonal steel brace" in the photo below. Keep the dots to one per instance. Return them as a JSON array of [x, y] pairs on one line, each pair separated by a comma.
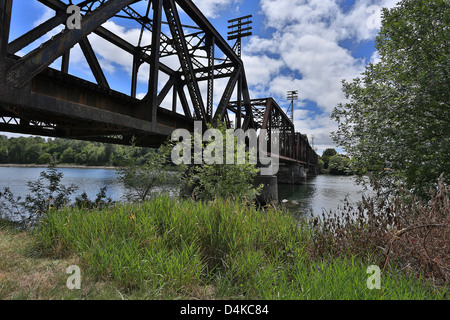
[[37, 60]]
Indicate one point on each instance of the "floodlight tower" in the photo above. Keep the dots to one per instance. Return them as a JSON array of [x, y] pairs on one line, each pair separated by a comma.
[[292, 96]]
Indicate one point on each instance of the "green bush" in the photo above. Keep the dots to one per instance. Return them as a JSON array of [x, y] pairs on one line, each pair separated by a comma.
[[226, 181]]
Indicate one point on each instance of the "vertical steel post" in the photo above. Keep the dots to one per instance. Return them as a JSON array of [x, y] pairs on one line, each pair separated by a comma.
[[239, 103], [5, 24], [154, 63], [65, 59], [210, 102], [174, 97], [134, 74]]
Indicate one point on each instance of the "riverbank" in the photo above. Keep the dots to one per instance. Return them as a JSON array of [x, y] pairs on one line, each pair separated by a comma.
[[28, 273], [187, 250], [68, 166]]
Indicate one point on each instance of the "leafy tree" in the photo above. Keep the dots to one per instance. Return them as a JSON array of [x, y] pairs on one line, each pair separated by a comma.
[[45, 158], [16, 150], [340, 165], [235, 181], [145, 180], [327, 154], [68, 156], [321, 165], [48, 195], [4, 154], [396, 124]]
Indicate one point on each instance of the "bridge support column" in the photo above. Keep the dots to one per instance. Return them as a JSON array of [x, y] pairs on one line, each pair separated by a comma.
[[292, 174], [5, 22], [269, 194]]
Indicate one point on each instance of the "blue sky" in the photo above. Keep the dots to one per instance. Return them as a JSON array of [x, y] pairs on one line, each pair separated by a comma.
[[304, 45]]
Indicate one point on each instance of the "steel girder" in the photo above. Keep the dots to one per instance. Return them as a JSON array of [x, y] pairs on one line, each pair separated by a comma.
[[294, 146], [43, 95]]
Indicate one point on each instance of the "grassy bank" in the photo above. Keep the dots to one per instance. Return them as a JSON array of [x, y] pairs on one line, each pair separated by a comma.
[[171, 249]]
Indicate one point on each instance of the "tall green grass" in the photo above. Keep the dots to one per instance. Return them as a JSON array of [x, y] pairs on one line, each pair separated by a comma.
[[170, 248]]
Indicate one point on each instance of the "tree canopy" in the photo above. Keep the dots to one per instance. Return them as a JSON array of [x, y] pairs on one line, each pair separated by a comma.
[[396, 123]]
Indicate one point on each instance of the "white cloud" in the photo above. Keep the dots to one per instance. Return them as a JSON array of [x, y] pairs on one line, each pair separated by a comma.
[[48, 14], [306, 41], [213, 8]]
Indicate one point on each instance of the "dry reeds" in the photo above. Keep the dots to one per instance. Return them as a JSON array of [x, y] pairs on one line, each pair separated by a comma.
[[402, 232]]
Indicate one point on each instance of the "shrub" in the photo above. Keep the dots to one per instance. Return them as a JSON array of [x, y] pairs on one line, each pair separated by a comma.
[[226, 181], [402, 231]]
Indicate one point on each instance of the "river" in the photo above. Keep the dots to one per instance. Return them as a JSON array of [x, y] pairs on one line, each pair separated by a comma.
[[323, 192], [87, 180]]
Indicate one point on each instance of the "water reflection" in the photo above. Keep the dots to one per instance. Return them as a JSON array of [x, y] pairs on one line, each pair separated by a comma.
[[320, 193], [87, 180]]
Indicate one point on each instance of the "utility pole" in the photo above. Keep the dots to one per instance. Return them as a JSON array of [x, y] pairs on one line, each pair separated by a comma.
[[292, 96], [240, 28]]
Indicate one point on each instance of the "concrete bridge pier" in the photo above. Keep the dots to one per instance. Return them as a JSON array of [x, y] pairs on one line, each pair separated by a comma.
[[292, 174], [269, 194]]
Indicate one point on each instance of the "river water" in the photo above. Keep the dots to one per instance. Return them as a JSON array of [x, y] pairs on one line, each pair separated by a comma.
[[87, 180], [323, 192]]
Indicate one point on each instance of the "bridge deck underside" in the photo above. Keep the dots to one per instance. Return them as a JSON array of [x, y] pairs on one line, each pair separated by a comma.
[[63, 106]]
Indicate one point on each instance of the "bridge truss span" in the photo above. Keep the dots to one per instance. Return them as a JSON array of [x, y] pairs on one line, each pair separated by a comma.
[[175, 66]]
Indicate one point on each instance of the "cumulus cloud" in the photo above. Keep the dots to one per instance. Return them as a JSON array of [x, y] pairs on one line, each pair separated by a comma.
[[213, 8], [306, 41]]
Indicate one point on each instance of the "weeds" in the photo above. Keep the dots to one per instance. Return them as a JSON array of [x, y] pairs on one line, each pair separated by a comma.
[[401, 232], [46, 193], [171, 248]]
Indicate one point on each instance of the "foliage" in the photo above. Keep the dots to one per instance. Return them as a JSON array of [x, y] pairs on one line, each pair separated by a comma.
[[222, 180], [154, 176], [36, 150], [396, 124], [327, 154], [44, 194], [170, 248], [340, 165], [401, 232], [101, 200]]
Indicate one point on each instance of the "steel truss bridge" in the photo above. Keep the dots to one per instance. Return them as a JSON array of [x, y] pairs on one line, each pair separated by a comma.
[[191, 74]]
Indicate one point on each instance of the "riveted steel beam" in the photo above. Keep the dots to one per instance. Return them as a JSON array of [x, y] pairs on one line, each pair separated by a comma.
[[154, 60], [37, 60], [186, 63], [36, 33], [93, 62], [5, 22]]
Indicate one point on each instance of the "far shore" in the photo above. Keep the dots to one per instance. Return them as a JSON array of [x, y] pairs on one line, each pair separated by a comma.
[[68, 166]]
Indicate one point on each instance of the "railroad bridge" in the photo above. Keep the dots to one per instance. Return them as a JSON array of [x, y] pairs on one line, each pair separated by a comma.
[[191, 74]]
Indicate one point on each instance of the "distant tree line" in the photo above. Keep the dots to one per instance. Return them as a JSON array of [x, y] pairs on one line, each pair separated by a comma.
[[37, 150]]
